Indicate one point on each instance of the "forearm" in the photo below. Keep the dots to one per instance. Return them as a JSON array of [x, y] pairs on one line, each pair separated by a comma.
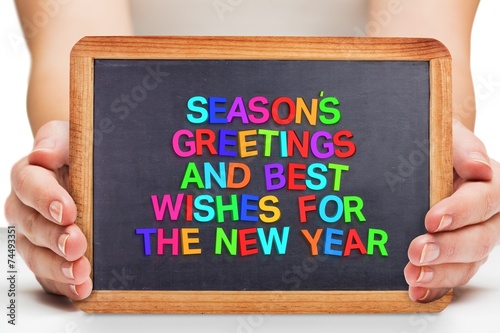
[[50, 45], [48, 94], [449, 21]]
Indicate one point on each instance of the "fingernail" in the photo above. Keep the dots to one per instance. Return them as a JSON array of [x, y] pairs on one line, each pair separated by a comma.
[[426, 275], [56, 211], [429, 253], [478, 157], [67, 270], [445, 222], [61, 243], [44, 144], [73, 289], [427, 293]]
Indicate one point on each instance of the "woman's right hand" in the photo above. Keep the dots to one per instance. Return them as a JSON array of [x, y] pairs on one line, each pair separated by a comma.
[[43, 213]]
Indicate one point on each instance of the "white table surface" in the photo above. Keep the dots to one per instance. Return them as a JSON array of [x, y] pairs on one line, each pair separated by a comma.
[[475, 308]]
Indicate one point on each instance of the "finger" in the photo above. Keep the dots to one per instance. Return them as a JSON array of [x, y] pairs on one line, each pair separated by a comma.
[[67, 241], [72, 291], [470, 159], [466, 245], [424, 295], [51, 146], [38, 188], [441, 276], [473, 202], [46, 264]]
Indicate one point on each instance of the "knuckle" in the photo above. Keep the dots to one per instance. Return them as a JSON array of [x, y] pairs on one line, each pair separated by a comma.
[[487, 240], [16, 167], [447, 282], [40, 200], [48, 285], [9, 209], [29, 259], [469, 273], [54, 271], [489, 203], [451, 251], [484, 250], [30, 222], [30, 226], [19, 177]]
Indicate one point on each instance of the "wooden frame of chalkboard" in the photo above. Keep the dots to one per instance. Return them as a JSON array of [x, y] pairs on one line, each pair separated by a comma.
[[82, 136]]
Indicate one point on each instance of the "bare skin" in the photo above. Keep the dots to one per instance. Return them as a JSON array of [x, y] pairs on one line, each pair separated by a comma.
[[462, 229]]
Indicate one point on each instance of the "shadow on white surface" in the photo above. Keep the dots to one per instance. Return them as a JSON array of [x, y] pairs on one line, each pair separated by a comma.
[[468, 294], [42, 299]]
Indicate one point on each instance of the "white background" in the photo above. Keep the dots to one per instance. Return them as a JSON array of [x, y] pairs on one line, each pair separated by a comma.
[[472, 310]]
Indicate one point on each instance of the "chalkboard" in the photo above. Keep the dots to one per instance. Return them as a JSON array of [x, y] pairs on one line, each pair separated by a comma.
[[214, 169]]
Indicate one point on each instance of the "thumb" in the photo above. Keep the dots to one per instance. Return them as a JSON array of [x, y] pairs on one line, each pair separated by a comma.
[[51, 145], [470, 159]]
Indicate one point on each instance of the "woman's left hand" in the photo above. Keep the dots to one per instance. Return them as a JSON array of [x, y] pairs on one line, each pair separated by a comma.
[[463, 228]]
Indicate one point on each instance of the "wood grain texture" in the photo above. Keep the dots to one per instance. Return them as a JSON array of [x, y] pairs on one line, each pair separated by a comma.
[[247, 48], [82, 143], [440, 130], [272, 302]]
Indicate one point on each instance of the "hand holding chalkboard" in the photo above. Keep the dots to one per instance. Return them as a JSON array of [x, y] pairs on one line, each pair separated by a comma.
[[241, 170]]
